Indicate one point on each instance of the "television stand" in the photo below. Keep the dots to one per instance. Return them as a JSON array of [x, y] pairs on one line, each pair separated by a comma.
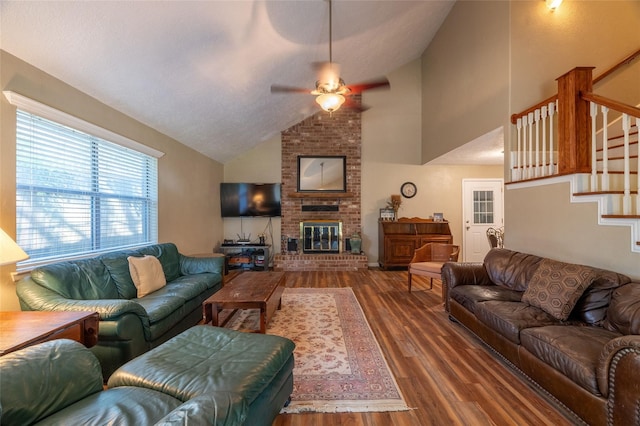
[[250, 257]]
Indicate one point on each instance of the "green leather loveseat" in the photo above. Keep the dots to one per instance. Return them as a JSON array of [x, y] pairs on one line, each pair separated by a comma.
[[203, 376], [129, 326]]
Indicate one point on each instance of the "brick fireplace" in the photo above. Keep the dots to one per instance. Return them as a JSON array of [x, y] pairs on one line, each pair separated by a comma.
[[321, 135]]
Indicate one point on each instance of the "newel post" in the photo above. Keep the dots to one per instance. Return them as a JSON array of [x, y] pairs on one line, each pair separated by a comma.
[[574, 121]]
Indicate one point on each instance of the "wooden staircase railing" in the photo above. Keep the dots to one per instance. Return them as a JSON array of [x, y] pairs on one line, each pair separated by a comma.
[[556, 136], [625, 61], [628, 116], [569, 134]]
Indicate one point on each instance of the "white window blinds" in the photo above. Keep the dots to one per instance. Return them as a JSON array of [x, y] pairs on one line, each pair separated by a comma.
[[78, 194]]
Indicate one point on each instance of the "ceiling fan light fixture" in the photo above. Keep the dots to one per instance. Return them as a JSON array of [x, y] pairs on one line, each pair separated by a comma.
[[331, 86], [330, 102]]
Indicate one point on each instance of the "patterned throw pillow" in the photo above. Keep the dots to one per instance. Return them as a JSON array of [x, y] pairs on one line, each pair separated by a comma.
[[556, 287]]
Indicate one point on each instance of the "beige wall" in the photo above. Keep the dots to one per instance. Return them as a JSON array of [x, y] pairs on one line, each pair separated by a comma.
[[439, 190], [542, 220], [391, 138], [189, 212], [262, 164], [465, 77], [578, 33]]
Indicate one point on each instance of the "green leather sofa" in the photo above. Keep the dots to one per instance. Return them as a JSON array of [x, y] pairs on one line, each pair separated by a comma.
[[129, 326], [240, 379]]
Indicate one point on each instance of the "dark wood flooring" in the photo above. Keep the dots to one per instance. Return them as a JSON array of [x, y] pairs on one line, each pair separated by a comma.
[[444, 373]]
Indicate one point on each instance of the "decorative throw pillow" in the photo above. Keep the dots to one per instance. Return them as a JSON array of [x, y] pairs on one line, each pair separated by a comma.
[[555, 287], [147, 274]]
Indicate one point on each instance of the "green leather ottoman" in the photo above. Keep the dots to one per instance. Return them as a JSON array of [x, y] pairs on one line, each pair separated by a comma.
[[252, 373]]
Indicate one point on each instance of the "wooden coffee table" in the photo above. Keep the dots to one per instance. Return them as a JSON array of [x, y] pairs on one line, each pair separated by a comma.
[[249, 290]]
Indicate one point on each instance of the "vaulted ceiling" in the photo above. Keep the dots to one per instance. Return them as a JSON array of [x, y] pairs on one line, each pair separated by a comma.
[[200, 72]]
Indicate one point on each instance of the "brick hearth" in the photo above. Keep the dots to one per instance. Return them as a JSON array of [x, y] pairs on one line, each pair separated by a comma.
[[320, 262]]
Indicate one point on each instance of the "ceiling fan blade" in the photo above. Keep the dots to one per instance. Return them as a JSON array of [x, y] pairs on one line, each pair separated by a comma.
[[288, 89], [354, 106], [361, 87]]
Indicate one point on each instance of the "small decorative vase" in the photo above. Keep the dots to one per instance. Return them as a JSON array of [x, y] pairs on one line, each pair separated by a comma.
[[356, 243]]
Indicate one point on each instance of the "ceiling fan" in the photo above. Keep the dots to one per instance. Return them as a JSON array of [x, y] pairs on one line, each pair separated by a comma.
[[331, 91]]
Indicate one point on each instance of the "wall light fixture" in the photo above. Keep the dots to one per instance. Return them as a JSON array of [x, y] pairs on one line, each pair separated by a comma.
[[553, 4]]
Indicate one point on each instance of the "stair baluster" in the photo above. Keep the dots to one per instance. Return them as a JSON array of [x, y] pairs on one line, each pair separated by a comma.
[[638, 166], [530, 153], [605, 148], [518, 171], [543, 111], [593, 109], [626, 199], [553, 107], [536, 119]]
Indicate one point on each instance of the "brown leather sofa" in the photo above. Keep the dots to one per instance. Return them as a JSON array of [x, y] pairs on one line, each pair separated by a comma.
[[573, 329]]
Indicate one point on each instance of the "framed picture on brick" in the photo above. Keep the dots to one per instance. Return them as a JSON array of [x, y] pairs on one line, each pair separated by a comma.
[[322, 174]]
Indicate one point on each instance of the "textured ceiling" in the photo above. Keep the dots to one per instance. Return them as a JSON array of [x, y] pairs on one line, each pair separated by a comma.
[[200, 72]]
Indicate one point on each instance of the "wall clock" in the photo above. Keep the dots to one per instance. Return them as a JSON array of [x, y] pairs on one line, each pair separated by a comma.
[[408, 189]]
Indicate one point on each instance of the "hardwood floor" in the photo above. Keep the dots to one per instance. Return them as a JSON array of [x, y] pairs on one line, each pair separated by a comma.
[[444, 373]]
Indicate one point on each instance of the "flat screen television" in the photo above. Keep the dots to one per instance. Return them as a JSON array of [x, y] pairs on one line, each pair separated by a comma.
[[249, 199]]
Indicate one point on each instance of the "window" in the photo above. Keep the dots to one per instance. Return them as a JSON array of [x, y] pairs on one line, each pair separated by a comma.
[[78, 194]]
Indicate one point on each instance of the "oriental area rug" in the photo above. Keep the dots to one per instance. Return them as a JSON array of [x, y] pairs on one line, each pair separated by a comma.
[[339, 366]]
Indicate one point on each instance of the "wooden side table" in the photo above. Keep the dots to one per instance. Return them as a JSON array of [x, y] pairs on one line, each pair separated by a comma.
[[25, 328]]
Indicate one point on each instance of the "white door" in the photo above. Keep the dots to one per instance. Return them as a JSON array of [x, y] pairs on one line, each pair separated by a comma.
[[482, 208]]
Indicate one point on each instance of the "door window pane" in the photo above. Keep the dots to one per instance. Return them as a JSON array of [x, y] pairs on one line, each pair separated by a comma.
[[482, 207]]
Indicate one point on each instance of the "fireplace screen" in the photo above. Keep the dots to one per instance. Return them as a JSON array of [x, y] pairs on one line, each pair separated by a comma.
[[321, 236]]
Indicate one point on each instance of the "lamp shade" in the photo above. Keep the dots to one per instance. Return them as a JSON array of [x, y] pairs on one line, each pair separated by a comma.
[[10, 252]]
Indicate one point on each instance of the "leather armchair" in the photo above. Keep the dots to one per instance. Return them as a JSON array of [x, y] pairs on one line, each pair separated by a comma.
[[428, 260]]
